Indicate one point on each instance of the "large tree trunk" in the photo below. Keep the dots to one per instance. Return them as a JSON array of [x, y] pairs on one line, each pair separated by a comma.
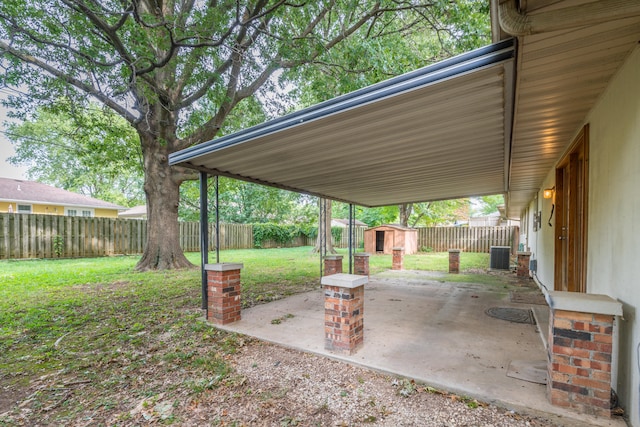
[[162, 189], [328, 238], [405, 210]]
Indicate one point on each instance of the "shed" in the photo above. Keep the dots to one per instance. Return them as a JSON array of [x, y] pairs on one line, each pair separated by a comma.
[[383, 238]]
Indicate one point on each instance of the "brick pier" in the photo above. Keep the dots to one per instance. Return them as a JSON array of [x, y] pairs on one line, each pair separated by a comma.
[[523, 264], [344, 312], [398, 258], [361, 264], [581, 351], [332, 264], [223, 292], [454, 261]]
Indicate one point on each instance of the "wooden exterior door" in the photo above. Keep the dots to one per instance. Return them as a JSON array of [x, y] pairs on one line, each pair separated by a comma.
[[571, 216]]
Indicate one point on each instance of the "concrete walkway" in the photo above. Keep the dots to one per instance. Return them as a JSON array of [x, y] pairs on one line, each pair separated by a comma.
[[418, 326]]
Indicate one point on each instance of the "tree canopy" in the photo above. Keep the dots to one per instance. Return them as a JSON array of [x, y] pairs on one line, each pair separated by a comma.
[[178, 70], [489, 204], [94, 152]]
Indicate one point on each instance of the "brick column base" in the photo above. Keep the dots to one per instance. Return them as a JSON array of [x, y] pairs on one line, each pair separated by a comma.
[[398, 258], [344, 312], [523, 264], [454, 261], [332, 264], [361, 264], [580, 351], [223, 293]]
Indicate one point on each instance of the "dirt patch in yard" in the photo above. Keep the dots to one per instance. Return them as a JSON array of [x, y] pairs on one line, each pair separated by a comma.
[[268, 386], [10, 395]]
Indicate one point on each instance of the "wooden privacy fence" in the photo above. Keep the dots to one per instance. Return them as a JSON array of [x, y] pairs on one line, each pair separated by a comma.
[[468, 239], [358, 238], [51, 236], [232, 236]]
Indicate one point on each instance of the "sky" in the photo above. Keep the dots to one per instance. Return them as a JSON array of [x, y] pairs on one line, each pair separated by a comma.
[[7, 170]]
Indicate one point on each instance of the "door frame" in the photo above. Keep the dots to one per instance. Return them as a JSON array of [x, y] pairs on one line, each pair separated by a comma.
[[570, 233], [377, 240]]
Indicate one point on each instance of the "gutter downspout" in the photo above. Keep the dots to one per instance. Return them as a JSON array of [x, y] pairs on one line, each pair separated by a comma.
[[516, 23]]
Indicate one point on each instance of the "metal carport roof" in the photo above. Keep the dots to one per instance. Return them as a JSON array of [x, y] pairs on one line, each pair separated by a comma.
[[439, 132]]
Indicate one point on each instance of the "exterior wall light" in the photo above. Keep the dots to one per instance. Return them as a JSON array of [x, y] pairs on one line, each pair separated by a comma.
[[548, 192]]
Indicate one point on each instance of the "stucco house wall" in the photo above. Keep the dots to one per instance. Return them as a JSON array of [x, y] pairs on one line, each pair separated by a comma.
[[37, 208], [614, 217], [47, 200], [541, 240], [613, 221]]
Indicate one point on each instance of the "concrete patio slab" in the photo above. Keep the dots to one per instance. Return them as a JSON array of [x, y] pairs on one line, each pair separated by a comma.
[[416, 325]]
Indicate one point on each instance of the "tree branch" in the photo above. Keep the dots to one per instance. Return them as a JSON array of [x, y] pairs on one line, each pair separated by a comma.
[[104, 27], [87, 88], [242, 44]]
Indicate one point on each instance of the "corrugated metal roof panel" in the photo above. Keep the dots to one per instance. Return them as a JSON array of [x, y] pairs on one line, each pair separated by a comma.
[[428, 142]]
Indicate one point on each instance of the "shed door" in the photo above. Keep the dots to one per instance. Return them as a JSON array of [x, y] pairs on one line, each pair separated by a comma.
[[379, 241]]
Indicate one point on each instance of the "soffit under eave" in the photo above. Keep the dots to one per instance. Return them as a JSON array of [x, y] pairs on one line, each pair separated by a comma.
[[560, 77]]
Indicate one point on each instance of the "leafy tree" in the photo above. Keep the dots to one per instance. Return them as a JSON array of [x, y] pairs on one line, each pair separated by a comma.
[[414, 39], [429, 214], [177, 69], [94, 152], [370, 216], [246, 203], [489, 204], [441, 212]]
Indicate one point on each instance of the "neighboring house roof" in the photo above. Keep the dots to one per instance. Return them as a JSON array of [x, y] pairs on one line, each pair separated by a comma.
[[29, 192], [338, 222], [134, 212]]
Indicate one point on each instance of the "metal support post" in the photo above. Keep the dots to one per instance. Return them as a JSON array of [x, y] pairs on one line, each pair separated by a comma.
[[217, 221], [204, 236], [351, 219]]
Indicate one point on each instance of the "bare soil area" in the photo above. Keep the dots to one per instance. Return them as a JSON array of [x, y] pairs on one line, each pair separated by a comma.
[[269, 386]]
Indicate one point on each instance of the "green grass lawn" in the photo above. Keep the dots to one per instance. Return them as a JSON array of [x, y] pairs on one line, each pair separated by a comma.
[[88, 337]]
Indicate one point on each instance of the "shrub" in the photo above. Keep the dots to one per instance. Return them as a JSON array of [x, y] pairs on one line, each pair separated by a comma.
[[58, 245]]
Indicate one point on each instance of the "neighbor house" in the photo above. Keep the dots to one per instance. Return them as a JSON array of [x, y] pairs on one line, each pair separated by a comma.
[[19, 196], [344, 223], [136, 212], [549, 116], [491, 220], [495, 219]]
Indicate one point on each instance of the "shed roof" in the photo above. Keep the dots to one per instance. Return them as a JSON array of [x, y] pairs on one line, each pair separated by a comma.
[[394, 226], [17, 190]]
